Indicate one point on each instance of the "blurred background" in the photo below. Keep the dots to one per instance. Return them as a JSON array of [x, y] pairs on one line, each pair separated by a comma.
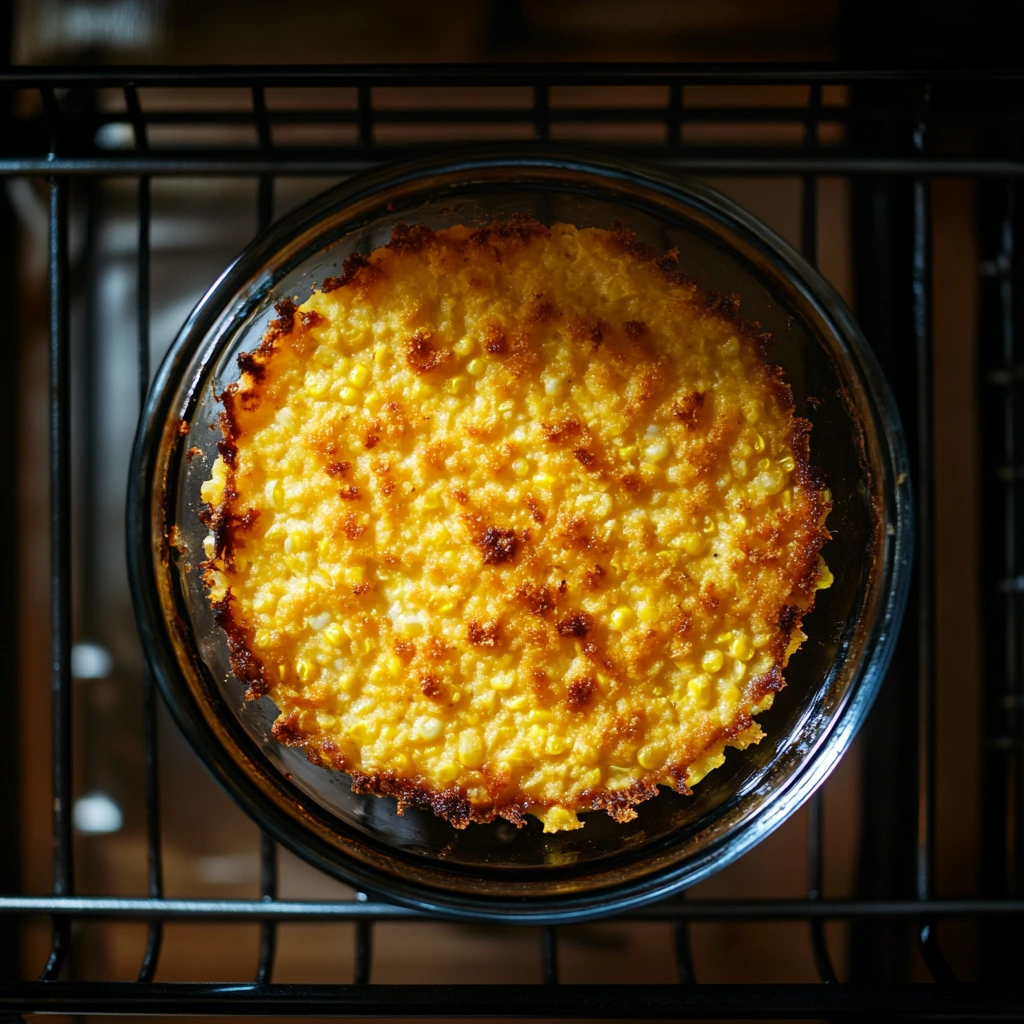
[[210, 847]]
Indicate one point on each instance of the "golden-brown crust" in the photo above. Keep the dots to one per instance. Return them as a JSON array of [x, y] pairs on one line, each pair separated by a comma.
[[228, 524]]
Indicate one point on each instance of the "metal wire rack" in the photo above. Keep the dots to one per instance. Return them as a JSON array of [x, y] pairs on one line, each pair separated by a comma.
[[890, 134]]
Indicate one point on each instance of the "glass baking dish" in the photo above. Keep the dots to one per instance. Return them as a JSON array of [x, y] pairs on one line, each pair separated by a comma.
[[496, 871]]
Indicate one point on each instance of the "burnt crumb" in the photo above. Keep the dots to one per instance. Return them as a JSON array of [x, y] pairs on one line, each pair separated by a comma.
[[687, 409], [431, 686], [192, 453], [591, 329], [563, 587], [631, 482], [228, 450], [635, 329], [540, 310], [371, 440], [556, 433], [482, 635], [338, 468], [788, 618], [407, 238], [536, 512], [252, 364], [361, 588], [310, 318], [577, 624], [495, 341], [183, 428], [405, 649], [286, 318], [352, 526], [386, 487], [581, 691], [814, 402], [349, 271], [460, 496], [584, 456], [498, 545], [350, 493], [539, 600], [421, 355], [683, 624], [286, 731], [593, 577]]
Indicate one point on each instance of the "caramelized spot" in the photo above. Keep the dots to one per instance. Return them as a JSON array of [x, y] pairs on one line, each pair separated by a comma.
[[540, 310], [350, 493], [635, 329], [556, 433], [352, 526], [495, 341], [421, 355], [581, 691], [538, 599], [371, 440], [460, 496], [586, 329], [405, 649], [361, 588], [577, 624], [431, 686], [584, 456], [498, 545], [338, 468], [687, 409], [482, 635], [592, 577], [310, 318], [631, 481]]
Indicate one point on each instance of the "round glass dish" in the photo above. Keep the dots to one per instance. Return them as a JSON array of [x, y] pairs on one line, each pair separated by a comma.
[[496, 871]]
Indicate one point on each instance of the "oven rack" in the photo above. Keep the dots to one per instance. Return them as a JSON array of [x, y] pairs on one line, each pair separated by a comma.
[[890, 133]]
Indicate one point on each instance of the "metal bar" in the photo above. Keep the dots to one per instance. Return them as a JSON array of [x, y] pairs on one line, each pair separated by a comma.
[[921, 277], [675, 115], [815, 818], [150, 699], [756, 1001], [140, 908], [302, 163], [541, 113], [364, 116], [60, 569], [268, 893], [428, 74], [549, 954], [363, 951], [137, 118]]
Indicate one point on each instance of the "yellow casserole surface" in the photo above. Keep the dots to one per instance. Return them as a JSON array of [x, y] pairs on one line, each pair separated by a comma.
[[513, 520]]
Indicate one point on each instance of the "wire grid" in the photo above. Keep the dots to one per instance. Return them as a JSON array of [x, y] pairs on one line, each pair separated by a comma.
[[886, 139]]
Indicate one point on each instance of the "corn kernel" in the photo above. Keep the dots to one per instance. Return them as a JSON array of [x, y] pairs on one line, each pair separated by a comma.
[[825, 577], [304, 670], [476, 367], [263, 638], [621, 618], [430, 728], [712, 661], [209, 547], [334, 635], [319, 622], [647, 611], [627, 451], [731, 346], [447, 771], [544, 480], [394, 666], [471, 749], [520, 467], [758, 442], [455, 385], [591, 779], [538, 715], [555, 745], [649, 472], [763, 464], [464, 346], [651, 756], [360, 375], [657, 449], [349, 395], [518, 703], [788, 464], [700, 690], [742, 648], [731, 695], [502, 681], [273, 491], [373, 401], [692, 543], [709, 525], [380, 354], [431, 500]]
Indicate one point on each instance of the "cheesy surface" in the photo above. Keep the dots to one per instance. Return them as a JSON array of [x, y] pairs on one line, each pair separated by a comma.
[[513, 520]]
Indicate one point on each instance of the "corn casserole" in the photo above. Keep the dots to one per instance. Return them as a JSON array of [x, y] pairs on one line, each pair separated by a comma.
[[513, 520]]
